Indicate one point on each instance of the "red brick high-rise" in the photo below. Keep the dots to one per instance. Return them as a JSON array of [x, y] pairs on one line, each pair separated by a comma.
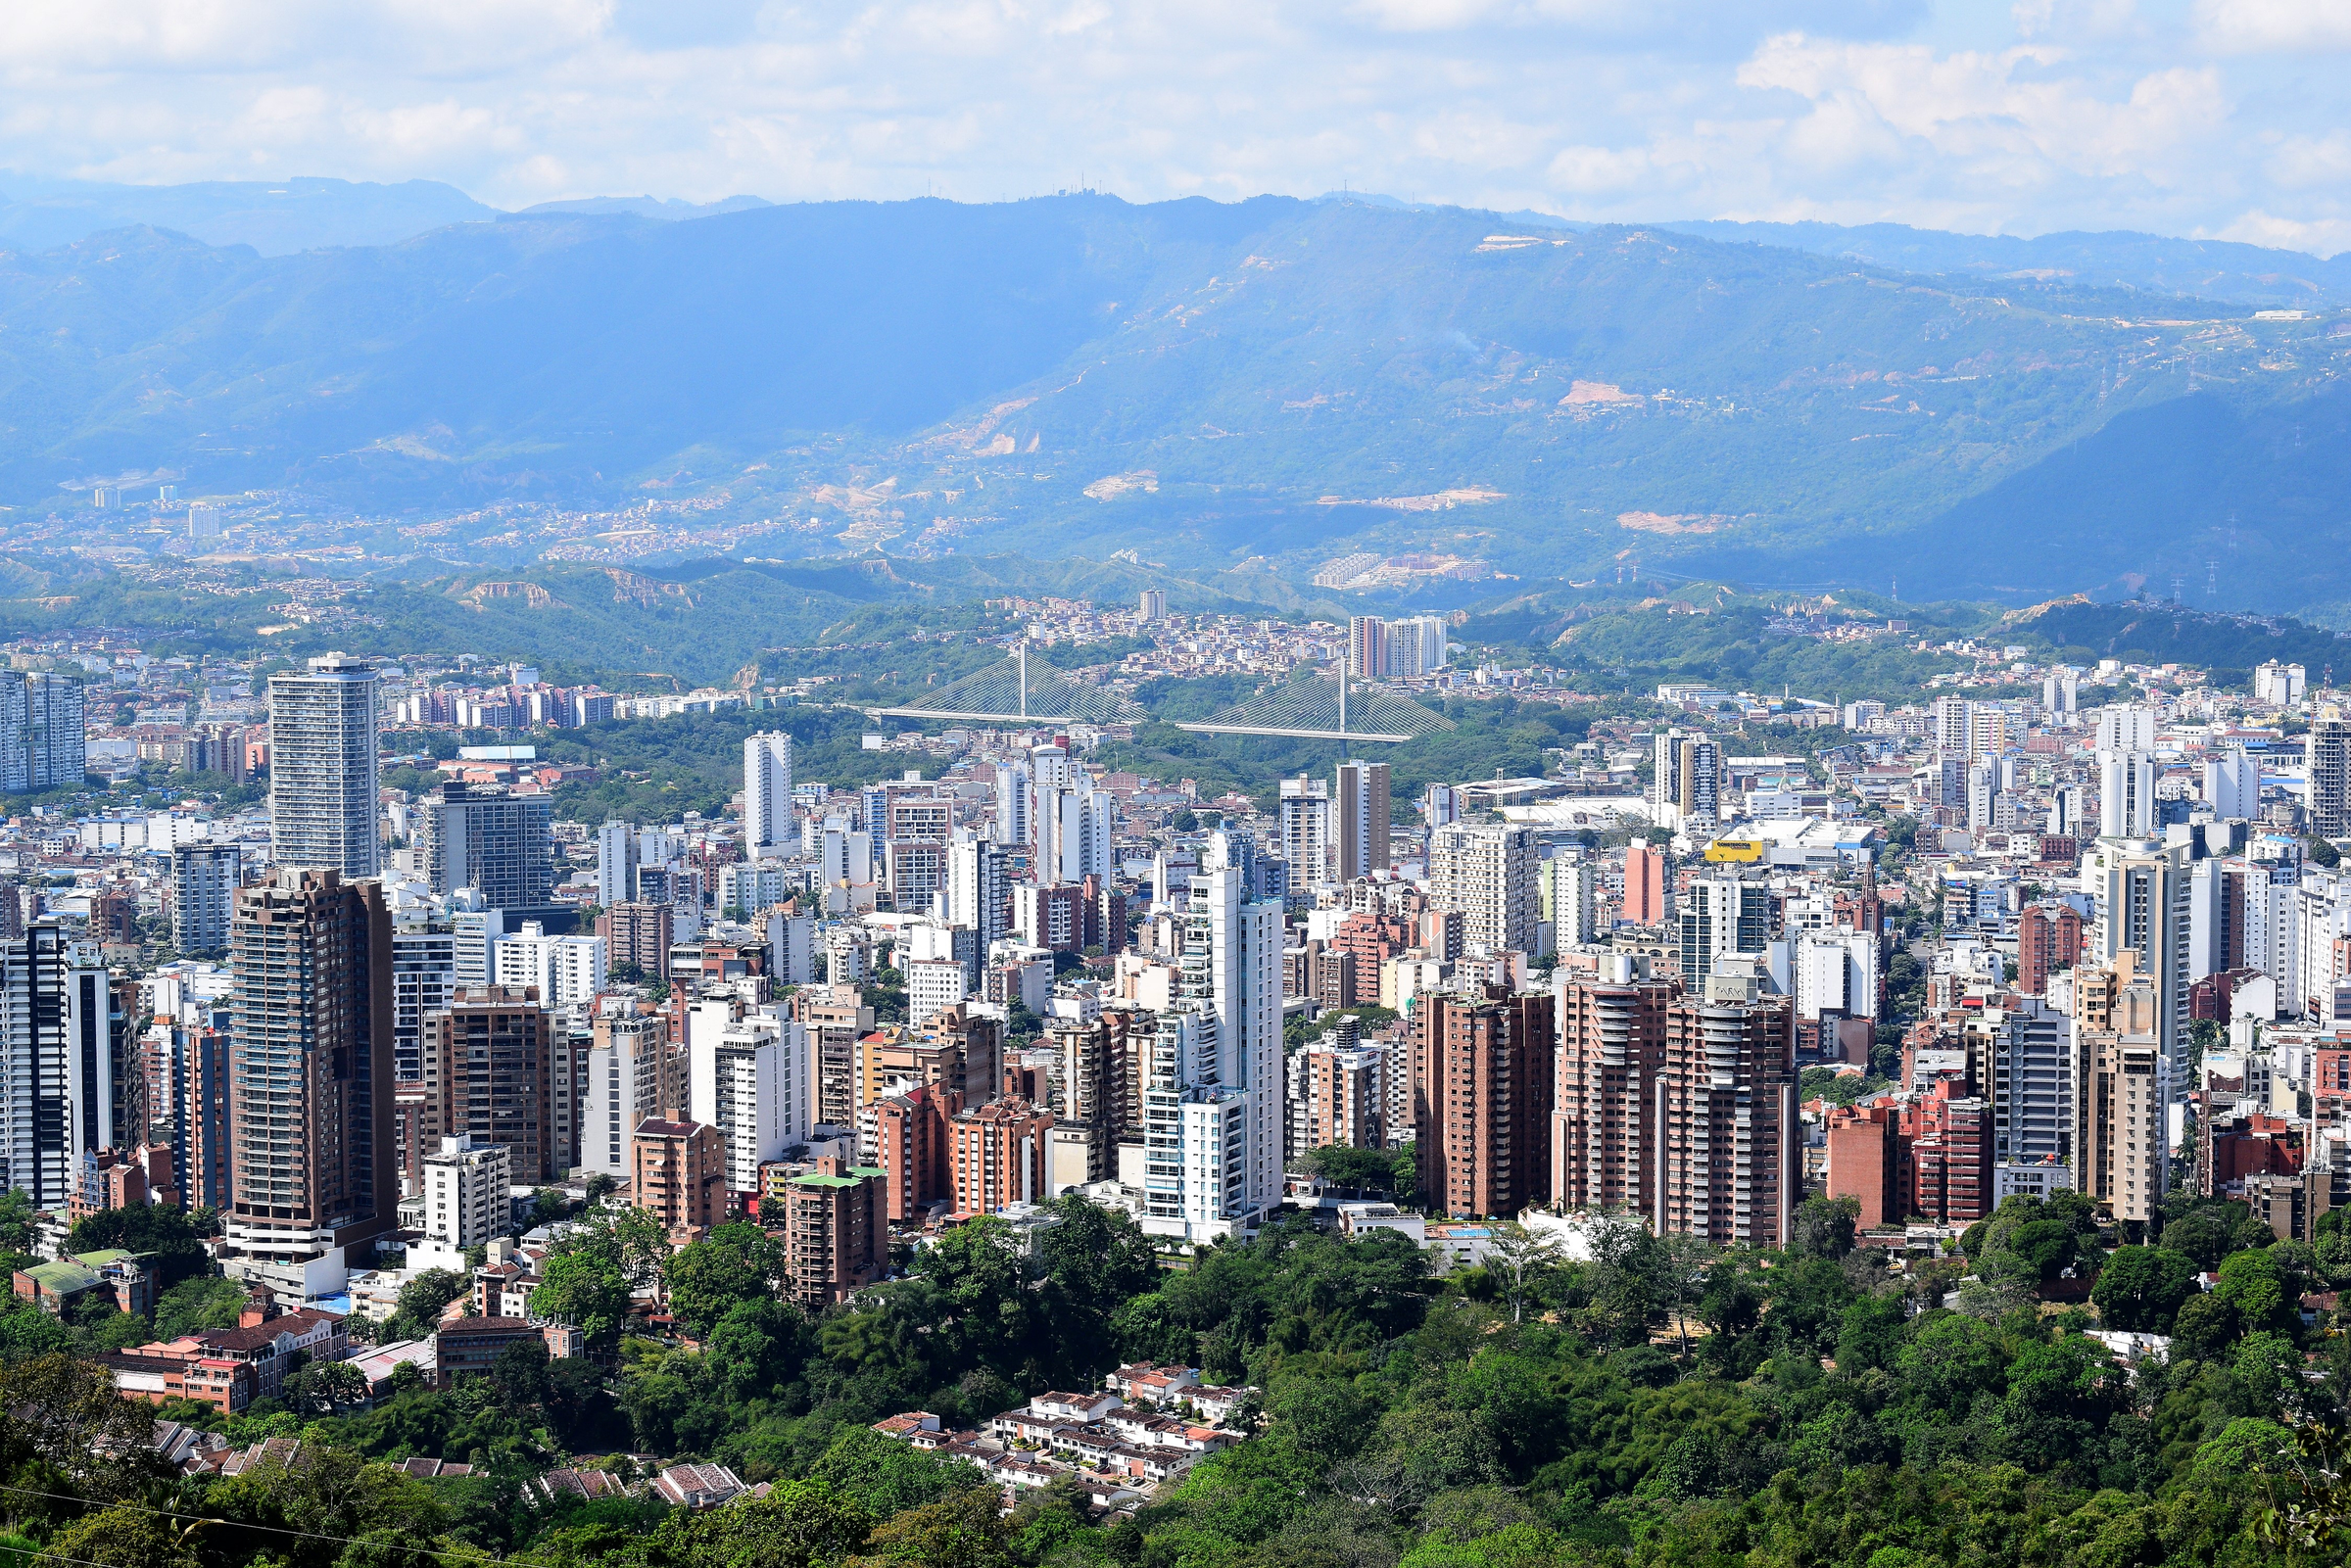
[[835, 1239], [1869, 1161], [1481, 1101], [1949, 1135], [2048, 938], [1646, 877], [1728, 1143], [1603, 1103]]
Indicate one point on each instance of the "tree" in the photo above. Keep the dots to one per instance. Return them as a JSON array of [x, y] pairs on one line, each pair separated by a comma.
[[326, 1387], [586, 1291], [420, 1302], [128, 1534], [164, 1236], [1358, 1168], [1825, 1226], [195, 1305], [2142, 1288], [1517, 1253], [706, 1279], [888, 1477]]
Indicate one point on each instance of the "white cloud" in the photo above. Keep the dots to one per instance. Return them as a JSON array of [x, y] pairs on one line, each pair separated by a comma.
[[2265, 26], [2074, 114]]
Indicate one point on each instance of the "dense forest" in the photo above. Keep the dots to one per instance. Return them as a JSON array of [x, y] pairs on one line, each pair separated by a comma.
[[1660, 1403]]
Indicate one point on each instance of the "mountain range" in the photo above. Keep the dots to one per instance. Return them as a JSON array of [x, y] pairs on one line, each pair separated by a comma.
[[1261, 386]]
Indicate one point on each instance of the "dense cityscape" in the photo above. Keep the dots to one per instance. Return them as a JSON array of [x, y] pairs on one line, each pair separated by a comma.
[[1008, 1145]]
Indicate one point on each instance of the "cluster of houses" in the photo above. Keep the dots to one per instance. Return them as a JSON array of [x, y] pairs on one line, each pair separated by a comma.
[[1146, 1425]]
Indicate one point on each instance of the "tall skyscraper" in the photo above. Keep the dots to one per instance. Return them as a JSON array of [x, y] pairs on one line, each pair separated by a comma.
[[322, 766], [1688, 785], [1647, 880], [751, 1074], [312, 1156], [767, 821], [978, 890], [1243, 943], [1570, 885], [482, 835], [1153, 607], [566, 970], [1487, 873], [205, 877], [58, 1094], [2326, 763], [633, 1074], [1368, 647], [1361, 790]]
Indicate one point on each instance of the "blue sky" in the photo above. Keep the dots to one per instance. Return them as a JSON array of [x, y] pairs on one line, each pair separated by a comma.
[[2209, 118]]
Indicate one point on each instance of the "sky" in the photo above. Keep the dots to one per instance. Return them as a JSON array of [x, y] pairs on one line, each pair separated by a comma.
[[2212, 118]]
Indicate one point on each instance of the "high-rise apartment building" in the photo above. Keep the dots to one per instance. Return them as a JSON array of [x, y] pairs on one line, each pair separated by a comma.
[[2126, 795], [311, 1152], [617, 849], [677, 1172], [205, 877], [57, 1091], [1482, 1081], [1367, 648], [2141, 903], [1306, 831], [750, 1074], [465, 1186], [1687, 786], [978, 893], [633, 1073], [1646, 881], [637, 934], [1097, 1078], [1153, 605], [1612, 1041], [485, 836], [566, 970], [2123, 1089], [768, 828], [322, 766], [2021, 1061], [1360, 794], [2327, 764], [1728, 1145], [1343, 1098], [2048, 940], [1567, 887], [488, 1071], [997, 1154], [42, 739], [835, 1239], [2232, 783], [1719, 917], [424, 975], [1234, 941], [1487, 873]]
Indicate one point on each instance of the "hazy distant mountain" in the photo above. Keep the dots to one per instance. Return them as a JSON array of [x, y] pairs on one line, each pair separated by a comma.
[[275, 217], [669, 210], [2209, 269], [1267, 384]]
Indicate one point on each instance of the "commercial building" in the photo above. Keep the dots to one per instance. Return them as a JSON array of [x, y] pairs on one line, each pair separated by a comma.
[[482, 835], [204, 878], [322, 767], [311, 1151]]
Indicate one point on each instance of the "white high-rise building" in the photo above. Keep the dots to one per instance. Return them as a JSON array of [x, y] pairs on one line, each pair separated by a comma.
[[322, 767], [1015, 821], [2126, 727], [767, 825], [616, 852], [475, 929], [932, 985], [846, 858], [978, 889], [2233, 784], [634, 1078], [57, 1092], [750, 1072], [466, 1200], [2061, 691], [1153, 605], [2279, 685], [1307, 841], [43, 743], [2026, 1069], [1488, 874], [1570, 895], [2126, 793], [567, 970], [1835, 971], [425, 976], [2140, 898]]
